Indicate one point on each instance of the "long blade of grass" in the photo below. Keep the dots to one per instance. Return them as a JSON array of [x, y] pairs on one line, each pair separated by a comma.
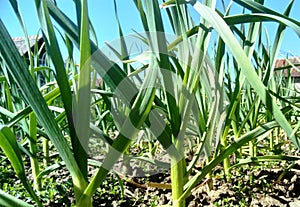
[[259, 8], [259, 131], [11, 201], [18, 69], [111, 73], [83, 97], [246, 18], [32, 117], [9, 145], [112, 77], [14, 4], [153, 24], [277, 44], [267, 158], [137, 115], [246, 68], [62, 80]]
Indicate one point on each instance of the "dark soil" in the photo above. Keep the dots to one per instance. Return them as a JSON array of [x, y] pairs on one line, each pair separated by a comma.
[[247, 187], [251, 188], [265, 185]]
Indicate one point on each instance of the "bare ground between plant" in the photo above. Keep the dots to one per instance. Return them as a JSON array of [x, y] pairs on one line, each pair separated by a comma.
[[247, 187]]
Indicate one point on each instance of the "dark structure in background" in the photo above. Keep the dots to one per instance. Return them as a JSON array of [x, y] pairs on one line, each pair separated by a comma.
[[294, 73], [34, 41], [37, 47]]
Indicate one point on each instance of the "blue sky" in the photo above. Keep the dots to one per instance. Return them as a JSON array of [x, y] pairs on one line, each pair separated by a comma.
[[102, 16]]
